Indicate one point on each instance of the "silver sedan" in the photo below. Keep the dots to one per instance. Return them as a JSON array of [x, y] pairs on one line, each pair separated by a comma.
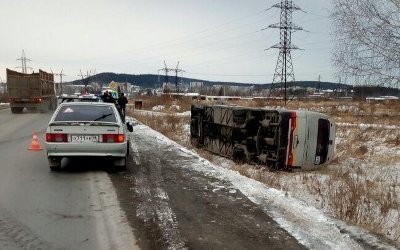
[[87, 129]]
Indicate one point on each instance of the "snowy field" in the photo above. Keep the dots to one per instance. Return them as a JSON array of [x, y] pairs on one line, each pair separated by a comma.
[[360, 186]]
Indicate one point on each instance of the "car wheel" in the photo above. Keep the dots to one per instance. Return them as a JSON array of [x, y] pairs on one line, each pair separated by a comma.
[[128, 147], [55, 169], [54, 163], [16, 110]]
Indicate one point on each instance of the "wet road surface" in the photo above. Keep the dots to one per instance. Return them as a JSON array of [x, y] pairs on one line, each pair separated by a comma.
[[40, 209]]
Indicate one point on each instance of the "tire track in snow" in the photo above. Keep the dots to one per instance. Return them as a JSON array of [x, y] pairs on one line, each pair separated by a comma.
[[155, 201]]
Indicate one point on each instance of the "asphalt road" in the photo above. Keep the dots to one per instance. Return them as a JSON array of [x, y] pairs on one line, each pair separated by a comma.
[[40, 209]]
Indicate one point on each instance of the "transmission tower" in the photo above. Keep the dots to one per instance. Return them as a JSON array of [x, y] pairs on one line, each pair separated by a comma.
[[177, 70], [85, 79], [166, 70], [284, 67], [23, 60], [60, 88]]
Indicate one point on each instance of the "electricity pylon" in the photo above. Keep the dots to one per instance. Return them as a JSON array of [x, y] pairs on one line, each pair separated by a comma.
[[177, 70], [284, 73], [61, 80], [166, 70], [23, 60]]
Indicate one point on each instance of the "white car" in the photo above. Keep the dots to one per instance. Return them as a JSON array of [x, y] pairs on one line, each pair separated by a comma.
[[92, 129]]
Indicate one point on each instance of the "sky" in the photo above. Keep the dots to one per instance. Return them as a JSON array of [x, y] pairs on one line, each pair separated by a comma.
[[218, 40]]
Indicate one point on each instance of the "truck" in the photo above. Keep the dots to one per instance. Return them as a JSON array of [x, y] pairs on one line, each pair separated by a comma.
[[278, 139], [35, 91]]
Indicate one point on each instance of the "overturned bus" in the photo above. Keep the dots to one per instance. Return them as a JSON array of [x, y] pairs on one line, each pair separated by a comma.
[[275, 138]]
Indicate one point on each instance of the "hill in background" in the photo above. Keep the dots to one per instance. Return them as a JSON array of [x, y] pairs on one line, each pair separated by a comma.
[[155, 81]]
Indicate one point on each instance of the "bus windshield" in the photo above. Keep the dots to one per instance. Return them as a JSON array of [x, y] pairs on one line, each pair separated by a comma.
[[322, 141]]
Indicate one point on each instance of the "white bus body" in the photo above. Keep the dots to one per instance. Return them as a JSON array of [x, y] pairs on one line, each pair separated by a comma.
[[277, 138]]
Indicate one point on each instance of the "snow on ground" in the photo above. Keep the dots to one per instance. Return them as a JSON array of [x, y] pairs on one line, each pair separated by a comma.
[[160, 113], [362, 125], [311, 226], [173, 108], [158, 108]]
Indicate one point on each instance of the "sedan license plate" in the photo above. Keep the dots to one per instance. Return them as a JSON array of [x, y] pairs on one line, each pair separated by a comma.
[[84, 138]]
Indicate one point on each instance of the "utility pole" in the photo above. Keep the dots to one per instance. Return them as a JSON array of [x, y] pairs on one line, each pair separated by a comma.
[[284, 67], [23, 60]]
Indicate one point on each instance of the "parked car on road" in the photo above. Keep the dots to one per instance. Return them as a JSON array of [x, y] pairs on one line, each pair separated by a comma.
[[81, 98], [87, 129]]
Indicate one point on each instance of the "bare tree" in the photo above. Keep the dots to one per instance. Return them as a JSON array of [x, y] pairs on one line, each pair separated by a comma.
[[367, 34]]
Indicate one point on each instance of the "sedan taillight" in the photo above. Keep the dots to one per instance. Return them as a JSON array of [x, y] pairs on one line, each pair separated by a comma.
[[113, 138], [50, 137]]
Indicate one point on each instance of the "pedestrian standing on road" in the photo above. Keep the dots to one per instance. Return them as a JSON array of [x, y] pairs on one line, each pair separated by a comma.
[[122, 101]]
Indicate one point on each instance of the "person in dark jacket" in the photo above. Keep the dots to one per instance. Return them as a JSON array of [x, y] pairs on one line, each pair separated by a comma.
[[122, 101], [107, 97], [104, 97]]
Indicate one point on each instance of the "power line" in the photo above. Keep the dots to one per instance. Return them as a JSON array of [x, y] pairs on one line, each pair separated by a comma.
[[180, 40], [229, 61], [211, 74], [193, 51]]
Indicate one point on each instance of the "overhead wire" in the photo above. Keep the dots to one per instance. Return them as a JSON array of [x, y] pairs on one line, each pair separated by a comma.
[[184, 38], [208, 32]]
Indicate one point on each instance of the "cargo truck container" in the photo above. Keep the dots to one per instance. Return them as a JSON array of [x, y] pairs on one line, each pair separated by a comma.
[[34, 91]]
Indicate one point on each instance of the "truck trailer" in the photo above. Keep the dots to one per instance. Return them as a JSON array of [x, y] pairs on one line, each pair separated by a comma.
[[35, 91], [279, 139]]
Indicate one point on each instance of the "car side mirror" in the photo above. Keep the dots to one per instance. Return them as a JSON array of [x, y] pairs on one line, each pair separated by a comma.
[[129, 127]]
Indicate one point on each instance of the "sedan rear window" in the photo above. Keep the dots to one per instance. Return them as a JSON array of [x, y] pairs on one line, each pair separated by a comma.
[[86, 113]]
